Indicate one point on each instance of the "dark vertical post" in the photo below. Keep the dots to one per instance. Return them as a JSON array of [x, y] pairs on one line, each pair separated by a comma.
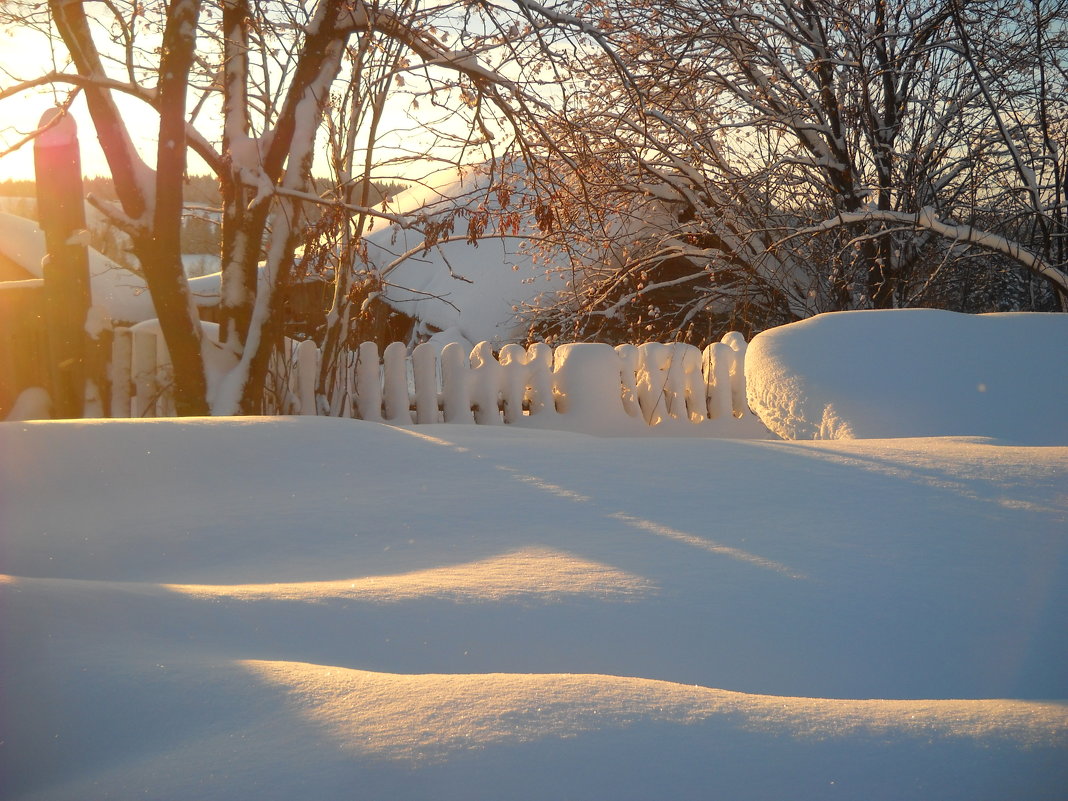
[[61, 211]]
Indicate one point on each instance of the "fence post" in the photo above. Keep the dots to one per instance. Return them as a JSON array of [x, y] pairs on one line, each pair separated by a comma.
[[455, 384], [368, 383], [718, 358], [23, 342], [164, 377], [652, 381], [542, 400], [425, 374], [737, 343], [630, 363], [395, 396], [695, 408], [307, 370], [513, 361], [57, 165], [485, 385], [144, 367]]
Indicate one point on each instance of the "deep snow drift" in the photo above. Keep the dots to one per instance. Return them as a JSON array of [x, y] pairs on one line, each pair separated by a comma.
[[331, 609], [913, 373]]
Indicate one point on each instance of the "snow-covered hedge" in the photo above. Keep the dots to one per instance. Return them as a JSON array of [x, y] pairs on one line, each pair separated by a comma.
[[912, 373]]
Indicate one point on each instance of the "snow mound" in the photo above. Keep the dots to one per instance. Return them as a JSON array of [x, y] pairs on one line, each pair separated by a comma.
[[33, 403], [913, 373]]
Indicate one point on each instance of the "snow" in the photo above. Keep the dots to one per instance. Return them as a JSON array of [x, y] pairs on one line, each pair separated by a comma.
[[913, 373], [200, 264], [313, 607], [467, 289], [479, 303], [33, 403], [97, 321], [322, 608], [585, 374], [589, 388]]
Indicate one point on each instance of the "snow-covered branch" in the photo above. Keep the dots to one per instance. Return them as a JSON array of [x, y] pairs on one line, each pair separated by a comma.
[[956, 232]]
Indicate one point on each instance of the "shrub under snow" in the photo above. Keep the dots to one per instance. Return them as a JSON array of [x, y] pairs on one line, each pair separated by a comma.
[[913, 373]]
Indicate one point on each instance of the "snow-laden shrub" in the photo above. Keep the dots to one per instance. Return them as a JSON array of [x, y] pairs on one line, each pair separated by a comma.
[[912, 373]]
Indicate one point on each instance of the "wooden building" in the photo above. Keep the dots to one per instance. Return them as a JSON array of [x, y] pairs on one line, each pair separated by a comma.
[[23, 344]]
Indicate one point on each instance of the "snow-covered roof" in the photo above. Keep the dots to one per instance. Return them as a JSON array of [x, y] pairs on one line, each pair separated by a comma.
[[123, 294], [468, 287], [115, 288]]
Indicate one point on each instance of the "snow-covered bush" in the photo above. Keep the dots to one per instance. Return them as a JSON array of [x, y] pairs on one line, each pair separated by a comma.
[[913, 373]]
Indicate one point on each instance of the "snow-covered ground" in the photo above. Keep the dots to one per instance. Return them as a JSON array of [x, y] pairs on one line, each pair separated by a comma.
[[332, 609], [282, 608]]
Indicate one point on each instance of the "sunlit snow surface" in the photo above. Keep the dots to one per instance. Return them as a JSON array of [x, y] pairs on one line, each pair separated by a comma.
[[331, 609]]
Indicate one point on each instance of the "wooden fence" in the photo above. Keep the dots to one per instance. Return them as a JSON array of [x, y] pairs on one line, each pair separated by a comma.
[[586, 385], [24, 356]]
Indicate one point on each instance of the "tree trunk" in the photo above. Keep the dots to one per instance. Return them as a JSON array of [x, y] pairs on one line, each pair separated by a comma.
[[181, 329]]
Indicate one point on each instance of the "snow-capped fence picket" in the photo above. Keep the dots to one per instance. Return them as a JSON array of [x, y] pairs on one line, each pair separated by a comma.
[[584, 386]]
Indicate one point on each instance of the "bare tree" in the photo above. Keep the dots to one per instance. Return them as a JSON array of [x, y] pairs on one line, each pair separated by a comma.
[[247, 85], [808, 155]]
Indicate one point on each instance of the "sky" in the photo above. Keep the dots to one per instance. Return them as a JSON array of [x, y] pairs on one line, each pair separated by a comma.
[[22, 113], [25, 54], [19, 165]]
